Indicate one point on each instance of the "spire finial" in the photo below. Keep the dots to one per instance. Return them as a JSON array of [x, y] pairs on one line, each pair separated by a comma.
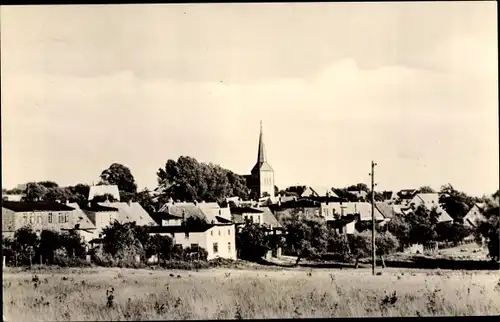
[[260, 126]]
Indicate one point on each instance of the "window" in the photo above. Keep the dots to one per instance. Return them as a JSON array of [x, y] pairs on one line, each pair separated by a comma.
[[50, 218], [211, 233], [66, 217], [194, 246], [32, 218], [186, 235], [219, 232], [216, 248], [258, 219], [61, 218], [229, 231], [25, 219], [229, 246], [39, 219]]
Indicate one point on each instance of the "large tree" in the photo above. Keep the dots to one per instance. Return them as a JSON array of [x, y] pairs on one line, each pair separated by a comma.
[[417, 227], [307, 235], [489, 229], [456, 203], [34, 192], [252, 242], [187, 179], [426, 189], [120, 175]]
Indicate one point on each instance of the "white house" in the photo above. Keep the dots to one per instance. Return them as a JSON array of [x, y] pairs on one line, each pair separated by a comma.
[[218, 239]]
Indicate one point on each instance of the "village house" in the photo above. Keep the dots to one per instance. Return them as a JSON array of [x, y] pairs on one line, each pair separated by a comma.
[[345, 216], [42, 216], [475, 215], [217, 239], [306, 206], [431, 201], [210, 230]]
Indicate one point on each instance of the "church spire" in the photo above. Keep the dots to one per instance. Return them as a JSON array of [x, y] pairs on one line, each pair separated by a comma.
[[261, 157]]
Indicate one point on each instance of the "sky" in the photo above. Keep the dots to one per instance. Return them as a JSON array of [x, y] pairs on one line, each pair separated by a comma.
[[412, 86]]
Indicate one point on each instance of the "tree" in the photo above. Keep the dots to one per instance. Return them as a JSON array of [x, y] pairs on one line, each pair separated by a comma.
[[386, 244], [120, 239], [456, 203], [423, 225], [34, 192], [79, 194], [25, 244], [359, 187], [48, 184], [307, 235], [103, 198], [58, 194], [452, 232], [146, 201], [72, 242], [121, 176], [160, 246], [489, 229], [360, 245], [400, 228], [49, 241], [251, 242], [190, 180], [276, 190], [426, 189]]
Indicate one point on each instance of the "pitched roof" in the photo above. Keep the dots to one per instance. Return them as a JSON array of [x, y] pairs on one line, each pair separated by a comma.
[[130, 213], [386, 209], [431, 200], [104, 189], [94, 207], [80, 218], [187, 209], [20, 206], [268, 219]]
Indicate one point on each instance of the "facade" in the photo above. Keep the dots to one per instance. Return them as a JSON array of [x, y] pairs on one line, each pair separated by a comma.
[[261, 179], [259, 215], [42, 216], [344, 216], [219, 240], [101, 217], [318, 192]]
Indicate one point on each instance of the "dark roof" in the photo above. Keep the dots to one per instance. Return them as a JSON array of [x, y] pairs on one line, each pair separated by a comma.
[[243, 210], [20, 206], [180, 229], [98, 208]]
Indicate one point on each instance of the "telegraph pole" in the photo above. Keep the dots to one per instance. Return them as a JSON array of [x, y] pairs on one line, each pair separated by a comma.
[[372, 175]]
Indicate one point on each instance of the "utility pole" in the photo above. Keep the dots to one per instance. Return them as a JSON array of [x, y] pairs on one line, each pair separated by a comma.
[[372, 175]]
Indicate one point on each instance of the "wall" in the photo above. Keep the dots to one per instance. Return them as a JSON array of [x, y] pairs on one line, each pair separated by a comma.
[[256, 217], [222, 235], [266, 182], [40, 220], [171, 222], [101, 219]]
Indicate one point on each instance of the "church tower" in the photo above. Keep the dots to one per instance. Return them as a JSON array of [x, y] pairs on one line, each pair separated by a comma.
[[262, 174]]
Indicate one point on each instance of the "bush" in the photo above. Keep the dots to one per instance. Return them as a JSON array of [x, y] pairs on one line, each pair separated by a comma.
[[195, 253], [178, 264]]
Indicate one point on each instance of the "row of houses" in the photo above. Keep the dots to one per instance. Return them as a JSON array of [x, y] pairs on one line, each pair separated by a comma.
[[220, 225]]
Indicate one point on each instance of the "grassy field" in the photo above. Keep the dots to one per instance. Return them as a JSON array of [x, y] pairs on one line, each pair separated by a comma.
[[129, 294]]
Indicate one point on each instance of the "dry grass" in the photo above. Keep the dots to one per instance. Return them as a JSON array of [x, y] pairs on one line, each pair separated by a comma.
[[129, 294]]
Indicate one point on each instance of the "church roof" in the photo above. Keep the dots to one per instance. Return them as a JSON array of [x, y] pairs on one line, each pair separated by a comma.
[[261, 155]]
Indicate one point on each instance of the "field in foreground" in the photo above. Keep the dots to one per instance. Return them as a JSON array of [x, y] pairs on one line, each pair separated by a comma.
[[130, 294]]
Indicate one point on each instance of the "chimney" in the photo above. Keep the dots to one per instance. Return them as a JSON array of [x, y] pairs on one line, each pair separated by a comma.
[[129, 202]]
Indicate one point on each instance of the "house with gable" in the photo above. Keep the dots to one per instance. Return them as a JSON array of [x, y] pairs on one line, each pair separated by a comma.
[[475, 215], [197, 225], [431, 201]]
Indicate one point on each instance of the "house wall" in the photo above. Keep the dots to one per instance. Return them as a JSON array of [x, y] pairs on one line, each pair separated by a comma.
[[223, 236], [254, 217], [39, 220], [102, 219], [474, 215], [8, 220]]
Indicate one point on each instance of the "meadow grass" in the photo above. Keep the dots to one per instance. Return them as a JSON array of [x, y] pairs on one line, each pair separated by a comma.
[[141, 294]]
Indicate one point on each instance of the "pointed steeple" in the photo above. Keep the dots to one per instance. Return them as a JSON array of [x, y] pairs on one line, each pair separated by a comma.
[[261, 156]]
